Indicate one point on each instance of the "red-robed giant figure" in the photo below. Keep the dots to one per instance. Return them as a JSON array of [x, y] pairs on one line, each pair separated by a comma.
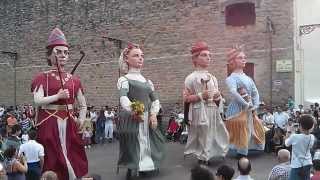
[[53, 92]]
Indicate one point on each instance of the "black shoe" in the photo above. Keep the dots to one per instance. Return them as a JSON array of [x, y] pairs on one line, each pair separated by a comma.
[[208, 163], [143, 174], [129, 174], [202, 162], [148, 174]]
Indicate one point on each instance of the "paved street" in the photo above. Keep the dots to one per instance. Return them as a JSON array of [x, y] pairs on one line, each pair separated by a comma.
[[103, 158]]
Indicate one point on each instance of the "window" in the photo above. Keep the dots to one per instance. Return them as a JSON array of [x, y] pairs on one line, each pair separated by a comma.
[[240, 14]]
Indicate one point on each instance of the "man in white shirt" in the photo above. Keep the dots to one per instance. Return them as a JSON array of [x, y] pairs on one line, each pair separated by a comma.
[[93, 114], [34, 154], [281, 119], [108, 128], [268, 119], [244, 167]]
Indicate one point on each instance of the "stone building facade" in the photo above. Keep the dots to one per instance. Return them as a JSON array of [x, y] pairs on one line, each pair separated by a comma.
[[165, 28]]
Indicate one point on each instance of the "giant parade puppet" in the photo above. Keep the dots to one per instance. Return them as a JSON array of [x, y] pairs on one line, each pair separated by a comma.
[[55, 92], [208, 136], [245, 128]]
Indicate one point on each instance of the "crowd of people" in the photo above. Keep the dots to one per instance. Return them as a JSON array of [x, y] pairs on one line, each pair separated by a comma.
[[22, 157], [286, 128], [293, 134]]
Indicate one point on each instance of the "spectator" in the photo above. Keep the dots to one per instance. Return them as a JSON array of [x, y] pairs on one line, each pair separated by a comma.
[[34, 153], [281, 119], [201, 173], [268, 119], [290, 103], [316, 111], [29, 111], [301, 160], [3, 175], [172, 129], [281, 171], [108, 131], [100, 125], [11, 121], [316, 166], [225, 172], [86, 136], [13, 139], [24, 137], [14, 166], [261, 111], [93, 117], [300, 108], [25, 123], [244, 168], [49, 175], [297, 116], [87, 123]]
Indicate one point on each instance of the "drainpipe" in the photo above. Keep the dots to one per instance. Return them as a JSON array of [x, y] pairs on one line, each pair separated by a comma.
[[270, 31]]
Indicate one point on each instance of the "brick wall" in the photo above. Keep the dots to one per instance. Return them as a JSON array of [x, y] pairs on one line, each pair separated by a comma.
[[166, 28]]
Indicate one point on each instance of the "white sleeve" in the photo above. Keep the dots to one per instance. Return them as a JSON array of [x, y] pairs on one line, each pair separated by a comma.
[[20, 150], [39, 98], [82, 105], [124, 100], [271, 119], [216, 87], [155, 106], [289, 141], [41, 151]]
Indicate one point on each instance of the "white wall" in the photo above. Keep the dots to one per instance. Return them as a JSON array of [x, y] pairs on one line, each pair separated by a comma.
[[307, 53]]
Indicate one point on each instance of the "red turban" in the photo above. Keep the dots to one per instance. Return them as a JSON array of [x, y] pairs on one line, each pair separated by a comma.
[[57, 38], [198, 47], [233, 53]]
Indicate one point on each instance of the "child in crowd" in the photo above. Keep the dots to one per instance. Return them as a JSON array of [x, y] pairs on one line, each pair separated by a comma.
[[302, 143], [86, 136]]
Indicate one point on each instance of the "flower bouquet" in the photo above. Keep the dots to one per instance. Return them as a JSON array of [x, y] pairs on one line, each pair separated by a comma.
[[138, 109]]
